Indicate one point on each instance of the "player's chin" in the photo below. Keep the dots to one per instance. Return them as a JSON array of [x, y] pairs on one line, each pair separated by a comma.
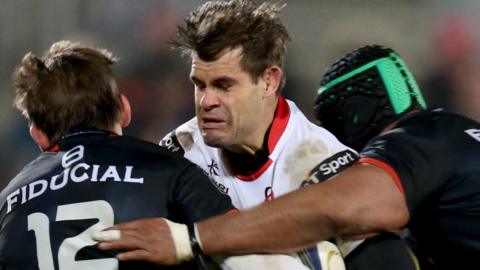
[[214, 138]]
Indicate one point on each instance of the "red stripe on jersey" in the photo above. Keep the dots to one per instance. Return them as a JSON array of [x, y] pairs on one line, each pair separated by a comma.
[[387, 168], [232, 211], [54, 148], [279, 124]]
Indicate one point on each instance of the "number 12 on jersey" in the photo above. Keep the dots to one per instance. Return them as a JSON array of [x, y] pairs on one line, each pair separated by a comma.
[[39, 223]]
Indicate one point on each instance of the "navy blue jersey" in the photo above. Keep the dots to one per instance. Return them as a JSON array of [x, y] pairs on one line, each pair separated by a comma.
[[51, 208], [435, 158]]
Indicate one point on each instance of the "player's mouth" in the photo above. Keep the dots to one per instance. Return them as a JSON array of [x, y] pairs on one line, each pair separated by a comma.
[[211, 123]]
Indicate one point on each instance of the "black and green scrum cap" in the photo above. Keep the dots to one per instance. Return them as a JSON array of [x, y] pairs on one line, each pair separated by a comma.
[[363, 92]]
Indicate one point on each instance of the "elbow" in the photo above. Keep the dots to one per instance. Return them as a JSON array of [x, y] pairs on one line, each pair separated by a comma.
[[398, 217], [353, 222]]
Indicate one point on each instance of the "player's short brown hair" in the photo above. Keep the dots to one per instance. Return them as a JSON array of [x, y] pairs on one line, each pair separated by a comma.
[[70, 87], [217, 26]]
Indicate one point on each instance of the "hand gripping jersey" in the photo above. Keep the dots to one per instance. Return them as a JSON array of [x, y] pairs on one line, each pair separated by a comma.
[[91, 181], [295, 146], [434, 157]]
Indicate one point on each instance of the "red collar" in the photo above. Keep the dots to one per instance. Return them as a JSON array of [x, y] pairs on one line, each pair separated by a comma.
[[279, 124]]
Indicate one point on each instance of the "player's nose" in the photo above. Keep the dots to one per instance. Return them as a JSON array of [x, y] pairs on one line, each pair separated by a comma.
[[209, 99]]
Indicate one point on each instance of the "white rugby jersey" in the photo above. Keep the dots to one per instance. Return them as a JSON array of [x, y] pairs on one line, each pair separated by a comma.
[[295, 145]]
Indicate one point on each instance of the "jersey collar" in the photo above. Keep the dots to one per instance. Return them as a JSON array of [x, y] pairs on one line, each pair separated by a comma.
[[79, 135], [279, 124]]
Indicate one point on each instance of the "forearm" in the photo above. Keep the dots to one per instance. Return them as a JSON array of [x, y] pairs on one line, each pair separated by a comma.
[[360, 200], [273, 227], [341, 207]]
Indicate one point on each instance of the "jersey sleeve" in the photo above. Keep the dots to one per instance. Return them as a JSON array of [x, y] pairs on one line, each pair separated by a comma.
[[181, 139], [197, 197], [171, 143], [335, 159], [414, 158]]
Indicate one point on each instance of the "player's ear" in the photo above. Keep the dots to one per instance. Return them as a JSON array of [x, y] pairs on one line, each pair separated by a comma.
[[126, 111], [273, 79], [39, 137]]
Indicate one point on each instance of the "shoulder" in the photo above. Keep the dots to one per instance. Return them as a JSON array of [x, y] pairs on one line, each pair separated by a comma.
[[140, 153], [181, 139], [311, 133], [304, 125], [435, 119], [426, 138], [131, 144], [316, 146], [41, 165], [431, 126]]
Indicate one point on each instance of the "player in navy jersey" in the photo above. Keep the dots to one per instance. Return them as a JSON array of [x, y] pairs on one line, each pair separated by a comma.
[[431, 154], [89, 176], [422, 173]]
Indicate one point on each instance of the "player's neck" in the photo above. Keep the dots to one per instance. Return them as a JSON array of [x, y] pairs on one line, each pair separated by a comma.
[[248, 157], [257, 141], [247, 163]]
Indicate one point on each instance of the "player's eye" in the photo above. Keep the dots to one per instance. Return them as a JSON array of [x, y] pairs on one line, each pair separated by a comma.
[[224, 85], [200, 86]]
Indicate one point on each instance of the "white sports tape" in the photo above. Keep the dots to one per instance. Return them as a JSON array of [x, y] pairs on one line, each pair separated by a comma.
[[108, 235], [181, 239]]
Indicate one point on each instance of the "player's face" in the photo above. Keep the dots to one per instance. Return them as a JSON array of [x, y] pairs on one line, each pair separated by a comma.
[[228, 102]]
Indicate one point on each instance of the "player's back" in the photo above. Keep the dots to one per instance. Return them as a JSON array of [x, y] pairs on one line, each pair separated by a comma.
[[50, 210], [436, 156], [448, 221]]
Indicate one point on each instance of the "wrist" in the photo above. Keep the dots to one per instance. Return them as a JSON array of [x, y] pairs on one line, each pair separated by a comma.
[[195, 242], [181, 240]]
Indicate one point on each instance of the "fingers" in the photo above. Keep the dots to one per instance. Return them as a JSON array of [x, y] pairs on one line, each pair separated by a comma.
[[129, 240], [142, 234], [108, 235], [115, 232], [135, 255], [148, 240]]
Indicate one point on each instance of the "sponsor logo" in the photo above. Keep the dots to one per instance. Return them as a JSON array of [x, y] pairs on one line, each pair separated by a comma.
[[220, 187], [170, 142], [330, 167], [75, 171], [213, 168], [474, 133]]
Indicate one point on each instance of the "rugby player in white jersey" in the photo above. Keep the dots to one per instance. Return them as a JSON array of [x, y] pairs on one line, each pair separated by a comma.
[[246, 136], [253, 142]]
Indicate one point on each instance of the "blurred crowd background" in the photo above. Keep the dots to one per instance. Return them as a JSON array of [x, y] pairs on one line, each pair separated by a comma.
[[437, 38]]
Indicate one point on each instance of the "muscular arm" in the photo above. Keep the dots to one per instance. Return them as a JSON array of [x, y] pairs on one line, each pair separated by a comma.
[[363, 199]]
